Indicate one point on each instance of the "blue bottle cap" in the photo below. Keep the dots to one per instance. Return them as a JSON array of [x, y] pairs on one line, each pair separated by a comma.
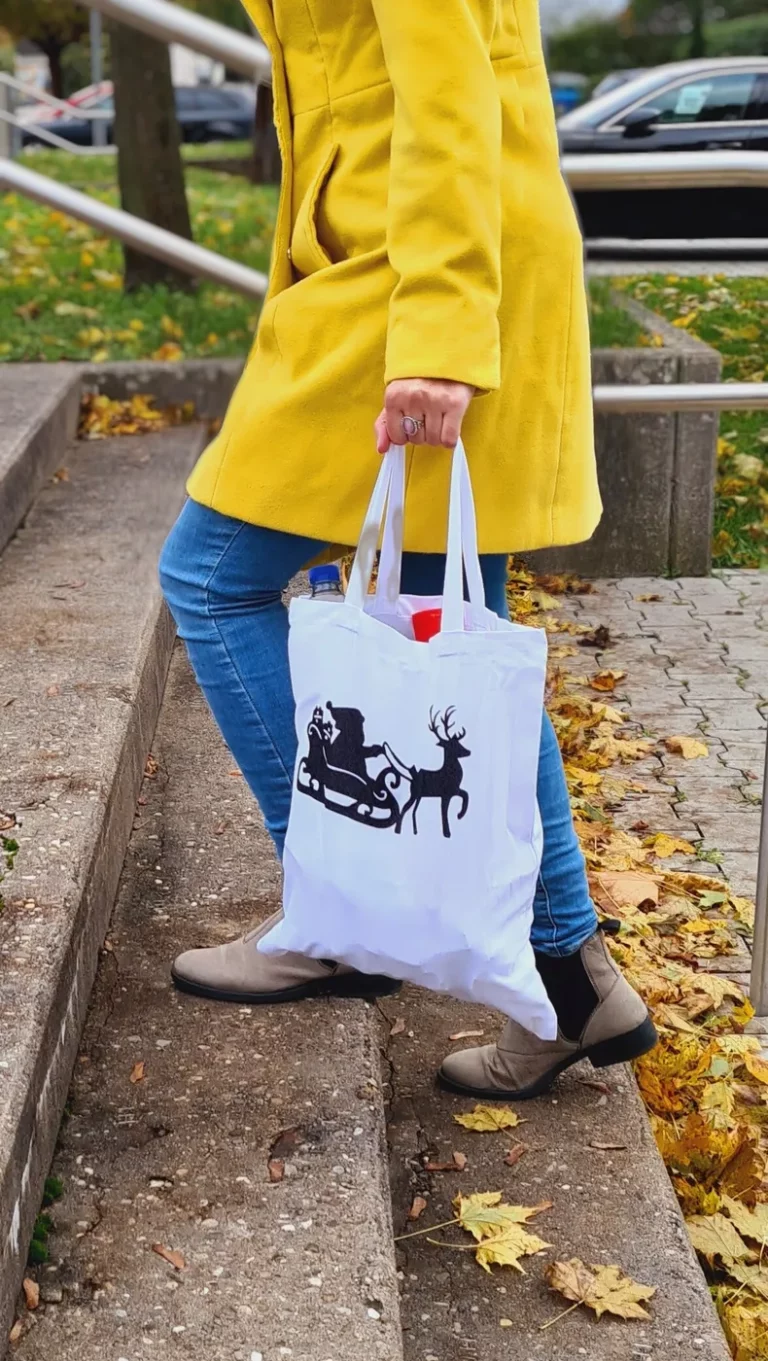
[[328, 573]]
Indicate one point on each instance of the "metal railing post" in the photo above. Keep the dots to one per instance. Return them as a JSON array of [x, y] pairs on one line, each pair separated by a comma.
[[6, 127], [98, 128]]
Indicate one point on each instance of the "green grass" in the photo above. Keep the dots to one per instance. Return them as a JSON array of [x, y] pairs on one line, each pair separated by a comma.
[[611, 327], [61, 283], [732, 316]]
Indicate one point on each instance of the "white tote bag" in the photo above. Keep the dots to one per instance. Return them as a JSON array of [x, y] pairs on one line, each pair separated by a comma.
[[414, 837]]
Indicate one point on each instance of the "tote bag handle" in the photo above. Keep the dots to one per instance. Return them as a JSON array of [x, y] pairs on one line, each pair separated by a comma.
[[387, 503]]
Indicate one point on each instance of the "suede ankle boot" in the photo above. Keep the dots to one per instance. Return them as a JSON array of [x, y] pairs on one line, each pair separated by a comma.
[[600, 1018]]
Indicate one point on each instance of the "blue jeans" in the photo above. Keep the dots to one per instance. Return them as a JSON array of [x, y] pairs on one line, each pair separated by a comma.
[[223, 580]]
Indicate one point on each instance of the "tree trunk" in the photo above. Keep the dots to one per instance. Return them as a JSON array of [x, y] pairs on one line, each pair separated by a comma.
[[53, 52], [266, 152], [149, 166], [698, 40]]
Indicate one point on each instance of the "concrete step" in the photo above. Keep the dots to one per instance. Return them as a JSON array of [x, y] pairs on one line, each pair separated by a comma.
[[85, 648], [39, 405], [297, 1270], [590, 1151]]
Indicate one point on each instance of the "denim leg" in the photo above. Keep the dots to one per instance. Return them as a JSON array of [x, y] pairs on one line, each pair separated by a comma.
[[223, 581], [563, 913]]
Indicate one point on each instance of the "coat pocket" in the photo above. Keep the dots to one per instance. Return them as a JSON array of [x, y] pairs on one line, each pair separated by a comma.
[[308, 254]]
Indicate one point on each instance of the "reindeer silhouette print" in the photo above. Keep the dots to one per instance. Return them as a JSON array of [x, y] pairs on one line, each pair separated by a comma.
[[335, 770], [443, 784]]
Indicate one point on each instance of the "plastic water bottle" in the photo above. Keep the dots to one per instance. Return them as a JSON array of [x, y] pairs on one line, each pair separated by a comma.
[[325, 584]]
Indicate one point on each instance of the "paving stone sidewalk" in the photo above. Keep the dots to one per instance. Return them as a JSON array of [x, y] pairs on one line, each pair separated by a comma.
[[696, 656]]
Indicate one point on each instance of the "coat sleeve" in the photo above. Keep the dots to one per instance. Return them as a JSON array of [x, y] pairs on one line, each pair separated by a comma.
[[444, 199]]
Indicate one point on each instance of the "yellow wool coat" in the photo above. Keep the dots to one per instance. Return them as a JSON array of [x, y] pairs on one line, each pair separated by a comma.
[[424, 230]]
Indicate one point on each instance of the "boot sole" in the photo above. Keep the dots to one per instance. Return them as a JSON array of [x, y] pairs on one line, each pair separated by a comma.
[[620, 1049], [346, 985]]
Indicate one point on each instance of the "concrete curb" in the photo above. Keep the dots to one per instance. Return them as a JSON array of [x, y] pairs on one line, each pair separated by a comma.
[[39, 420], [100, 712], [300, 1267]]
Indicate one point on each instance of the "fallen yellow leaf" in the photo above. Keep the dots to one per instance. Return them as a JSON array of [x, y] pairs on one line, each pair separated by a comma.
[[484, 1119], [604, 1289], [757, 1066], [687, 747], [506, 1248], [138, 1071], [606, 680], [628, 888], [715, 1236], [664, 846]]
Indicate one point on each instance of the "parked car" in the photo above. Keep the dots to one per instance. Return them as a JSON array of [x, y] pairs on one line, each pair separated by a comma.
[[206, 113], [687, 106], [616, 78]]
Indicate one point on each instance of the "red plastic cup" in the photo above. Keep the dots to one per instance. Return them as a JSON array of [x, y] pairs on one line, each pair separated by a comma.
[[426, 623]]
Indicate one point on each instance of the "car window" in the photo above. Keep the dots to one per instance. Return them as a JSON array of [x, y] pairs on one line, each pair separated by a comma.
[[705, 99]]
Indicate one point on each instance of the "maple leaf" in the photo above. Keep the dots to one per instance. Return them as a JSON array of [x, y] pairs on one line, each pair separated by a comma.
[[715, 1236], [604, 1289], [506, 1248], [484, 1119], [664, 846], [754, 1277], [746, 1328], [484, 1213], [750, 1223], [718, 1099], [757, 1066], [628, 888], [687, 747]]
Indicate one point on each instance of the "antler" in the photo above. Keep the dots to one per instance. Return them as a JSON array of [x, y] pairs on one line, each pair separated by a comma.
[[433, 717], [449, 736]]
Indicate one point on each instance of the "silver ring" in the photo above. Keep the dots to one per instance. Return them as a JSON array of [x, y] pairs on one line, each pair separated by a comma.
[[412, 425]]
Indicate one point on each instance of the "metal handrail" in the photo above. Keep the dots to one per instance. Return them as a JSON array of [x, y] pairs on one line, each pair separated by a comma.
[[134, 231], [43, 97], [681, 397], [664, 169], [52, 138], [171, 24]]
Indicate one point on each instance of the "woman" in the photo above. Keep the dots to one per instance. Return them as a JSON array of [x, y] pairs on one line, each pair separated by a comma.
[[426, 248]]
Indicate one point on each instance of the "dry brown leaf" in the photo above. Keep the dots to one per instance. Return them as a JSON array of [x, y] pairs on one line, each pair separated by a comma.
[[485, 1119], [16, 1331], [285, 1141], [605, 1147], [649, 597], [169, 1255], [398, 1027], [53, 690], [687, 747], [417, 1209], [515, 1154], [606, 681], [276, 1169], [467, 1035], [604, 1289], [31, 1292], [138, 1071], [457, 1164], [151, 767], [628, 888]]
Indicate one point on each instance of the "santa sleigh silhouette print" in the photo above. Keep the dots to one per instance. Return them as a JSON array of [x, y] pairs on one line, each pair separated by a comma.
[[334, 771]]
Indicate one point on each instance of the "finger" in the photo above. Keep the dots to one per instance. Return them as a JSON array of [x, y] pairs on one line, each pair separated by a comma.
[[433, 423], [382, 438], [451, 429], [418, 437], [393, 416]]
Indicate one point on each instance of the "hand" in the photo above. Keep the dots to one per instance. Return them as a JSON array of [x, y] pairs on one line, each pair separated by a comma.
[[439, 403]]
